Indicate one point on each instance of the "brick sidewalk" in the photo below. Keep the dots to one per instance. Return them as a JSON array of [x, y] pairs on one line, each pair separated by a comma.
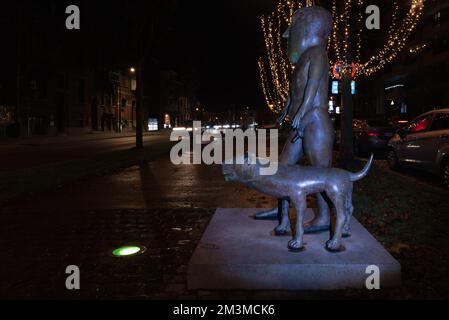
[[161, 206], [36, 253], [167, 208]]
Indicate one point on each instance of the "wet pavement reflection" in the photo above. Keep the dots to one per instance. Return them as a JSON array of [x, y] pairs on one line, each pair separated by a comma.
[[163, 207]]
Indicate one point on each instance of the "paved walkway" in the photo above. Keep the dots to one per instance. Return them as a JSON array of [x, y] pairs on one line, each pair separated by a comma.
[[159, 205], [166, 208]]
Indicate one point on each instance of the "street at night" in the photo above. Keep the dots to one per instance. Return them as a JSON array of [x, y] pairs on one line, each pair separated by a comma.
[[166, 208], [37, 152], [254, 151]]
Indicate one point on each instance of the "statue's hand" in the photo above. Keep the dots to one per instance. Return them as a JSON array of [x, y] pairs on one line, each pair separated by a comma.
[[282, 116], [285, 111], [296, 123]]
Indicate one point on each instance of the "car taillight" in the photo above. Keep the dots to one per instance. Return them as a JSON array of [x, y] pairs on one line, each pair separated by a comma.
[[373, 134]]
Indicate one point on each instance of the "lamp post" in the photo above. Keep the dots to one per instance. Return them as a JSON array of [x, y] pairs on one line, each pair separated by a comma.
[[346, 132], [139, 106]]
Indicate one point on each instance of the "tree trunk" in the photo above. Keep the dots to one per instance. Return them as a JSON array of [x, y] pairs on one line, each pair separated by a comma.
[[18, 113], [139, 106], [347, 140]]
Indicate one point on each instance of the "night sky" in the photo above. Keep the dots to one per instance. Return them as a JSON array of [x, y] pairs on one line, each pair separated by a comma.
[[222, 41], [213, 45]]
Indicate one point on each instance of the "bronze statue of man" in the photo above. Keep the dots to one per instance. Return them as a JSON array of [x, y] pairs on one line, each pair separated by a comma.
[[307, 107]]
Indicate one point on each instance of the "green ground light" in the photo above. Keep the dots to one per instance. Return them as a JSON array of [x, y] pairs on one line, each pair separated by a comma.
[[127, 251]]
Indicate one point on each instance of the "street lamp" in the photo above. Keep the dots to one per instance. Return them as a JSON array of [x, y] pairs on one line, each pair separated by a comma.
[[132, 70]]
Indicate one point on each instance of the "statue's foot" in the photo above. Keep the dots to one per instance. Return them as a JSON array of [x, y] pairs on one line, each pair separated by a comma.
[[281, 230], [267, 215], [346, 232], [295, 246], [334, 246], [280, 233], [317, 225]]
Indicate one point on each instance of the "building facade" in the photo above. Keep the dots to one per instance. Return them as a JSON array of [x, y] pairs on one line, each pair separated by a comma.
[[60, 81], [419, 81], [178, 106], [114, 102]]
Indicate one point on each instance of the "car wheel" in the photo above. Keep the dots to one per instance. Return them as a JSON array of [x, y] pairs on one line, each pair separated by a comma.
[[392, 159], [446, 175]]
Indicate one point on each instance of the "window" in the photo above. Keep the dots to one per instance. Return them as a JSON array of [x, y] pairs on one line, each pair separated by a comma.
[[107, 100], [437, 19], [153, 125], [440, 45], [441, 122], [80, 87], [60, 82], [359, 124], [419, 125]]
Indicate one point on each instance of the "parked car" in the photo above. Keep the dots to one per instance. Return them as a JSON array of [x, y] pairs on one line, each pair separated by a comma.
[[370, 136], [423, 143], [400, 121]]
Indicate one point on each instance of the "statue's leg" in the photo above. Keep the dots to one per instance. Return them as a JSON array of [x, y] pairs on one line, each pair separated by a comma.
[[284, 221], [275, 213], [271, 214], [297, 243], [349, 210], [318, 145], [335, 243], [291, 154], [321, 221]]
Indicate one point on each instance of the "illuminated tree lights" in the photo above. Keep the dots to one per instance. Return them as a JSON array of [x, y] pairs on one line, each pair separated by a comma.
[[275, 69], [345, 43]]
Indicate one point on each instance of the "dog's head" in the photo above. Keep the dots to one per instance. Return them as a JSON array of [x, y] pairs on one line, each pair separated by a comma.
[[241, 168]]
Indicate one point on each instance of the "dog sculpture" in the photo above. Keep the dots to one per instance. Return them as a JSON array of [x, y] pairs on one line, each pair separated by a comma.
[[294, 183]]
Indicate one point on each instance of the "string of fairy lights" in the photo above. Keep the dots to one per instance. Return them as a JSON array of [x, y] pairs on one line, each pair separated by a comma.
[[275, 69], [345, 43]]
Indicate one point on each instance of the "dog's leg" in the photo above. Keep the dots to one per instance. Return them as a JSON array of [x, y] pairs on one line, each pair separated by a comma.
[[300, 203], [284, 222], [335, 244], [349, 210]]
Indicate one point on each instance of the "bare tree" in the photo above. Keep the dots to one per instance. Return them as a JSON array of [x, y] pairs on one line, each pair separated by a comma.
[[143, 41]]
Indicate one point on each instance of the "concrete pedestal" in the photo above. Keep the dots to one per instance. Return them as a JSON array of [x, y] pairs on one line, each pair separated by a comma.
[[238, 252]]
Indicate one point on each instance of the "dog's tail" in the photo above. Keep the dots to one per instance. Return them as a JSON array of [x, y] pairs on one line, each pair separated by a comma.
[[362, 174]]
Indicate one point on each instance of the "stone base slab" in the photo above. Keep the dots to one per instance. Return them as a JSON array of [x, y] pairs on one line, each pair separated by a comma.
[[240, 253]]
